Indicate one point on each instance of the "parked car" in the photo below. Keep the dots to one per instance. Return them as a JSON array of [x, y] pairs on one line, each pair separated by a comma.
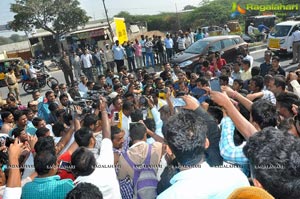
[[227, 45], [280, 38], [212, 30]]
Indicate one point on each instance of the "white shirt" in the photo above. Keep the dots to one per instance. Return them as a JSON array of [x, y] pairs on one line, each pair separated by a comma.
[[125, 125], [181, 43], [250, 58], [32, 73], [104, 178], [296, 36], [12, 193], [82, 88], [251, 29], [205, 182], [86, 59]]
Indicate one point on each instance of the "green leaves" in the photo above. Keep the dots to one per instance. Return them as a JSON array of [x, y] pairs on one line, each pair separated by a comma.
[[55, 16]]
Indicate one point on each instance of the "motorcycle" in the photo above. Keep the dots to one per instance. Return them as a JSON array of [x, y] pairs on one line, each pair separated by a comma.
[[43, 79]]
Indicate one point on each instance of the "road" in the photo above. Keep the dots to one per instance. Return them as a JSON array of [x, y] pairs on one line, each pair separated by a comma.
[[257, 55]]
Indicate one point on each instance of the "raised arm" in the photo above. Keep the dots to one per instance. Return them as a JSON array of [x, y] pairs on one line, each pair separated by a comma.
[[243, 125]]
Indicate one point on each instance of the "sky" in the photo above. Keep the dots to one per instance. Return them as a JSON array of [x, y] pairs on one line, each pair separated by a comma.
[[94, 8]]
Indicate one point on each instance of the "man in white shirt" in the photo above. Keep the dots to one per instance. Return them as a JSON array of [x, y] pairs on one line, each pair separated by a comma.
[[185, 134], [169, 46], [100, 171], [87, 62], [296, 46], [33, 75], [125, 120]]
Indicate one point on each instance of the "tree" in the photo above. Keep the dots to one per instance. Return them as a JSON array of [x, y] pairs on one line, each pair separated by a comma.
[[17, 38], [189, 7], [56, 16]]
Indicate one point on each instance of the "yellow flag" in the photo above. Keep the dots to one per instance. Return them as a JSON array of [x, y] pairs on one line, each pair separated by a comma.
[[121, 30]]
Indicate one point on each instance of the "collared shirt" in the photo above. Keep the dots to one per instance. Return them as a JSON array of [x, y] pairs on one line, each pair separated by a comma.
[[228, 150], [296, 36], [264, 68], [83, 88], [181, 43], [246, 75], [268, 95], [11, 78], [125, 125], [142, 42], [108, 55], [137, 49], [169, 43], [158, 124], [47, 188], [87, 60], [43, 111], [104, 178], [119, 52], [215, 183], [129, 51], [235, 75], [296, 87]]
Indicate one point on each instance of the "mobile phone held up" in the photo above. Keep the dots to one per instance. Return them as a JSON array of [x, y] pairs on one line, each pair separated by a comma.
[[116, 117], [215, 84]]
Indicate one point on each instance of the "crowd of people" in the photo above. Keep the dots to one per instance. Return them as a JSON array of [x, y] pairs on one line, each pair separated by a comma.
[[171, 134]]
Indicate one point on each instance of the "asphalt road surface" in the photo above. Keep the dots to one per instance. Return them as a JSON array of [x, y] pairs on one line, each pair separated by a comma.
[[257, 55]]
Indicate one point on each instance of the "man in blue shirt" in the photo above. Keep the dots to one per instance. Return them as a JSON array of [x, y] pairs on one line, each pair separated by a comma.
[[130, 56], [47, 184], [119, 55], [263, 29], [43, 107], [169, 46]]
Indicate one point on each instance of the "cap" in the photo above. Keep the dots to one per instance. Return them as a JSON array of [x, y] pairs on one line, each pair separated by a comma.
[[106, 44], [252, 24]]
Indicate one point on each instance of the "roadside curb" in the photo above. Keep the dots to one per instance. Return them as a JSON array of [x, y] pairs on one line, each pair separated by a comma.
[[254, 48]]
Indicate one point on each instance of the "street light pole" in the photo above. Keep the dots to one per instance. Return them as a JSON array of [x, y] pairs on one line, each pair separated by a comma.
[[109, 27]]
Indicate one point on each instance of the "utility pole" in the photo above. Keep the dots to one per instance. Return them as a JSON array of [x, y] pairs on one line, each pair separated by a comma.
[[109, 27], [177, 15]]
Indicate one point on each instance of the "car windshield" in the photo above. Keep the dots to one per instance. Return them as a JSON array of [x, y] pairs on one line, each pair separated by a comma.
[[197, 47], [280, 31]]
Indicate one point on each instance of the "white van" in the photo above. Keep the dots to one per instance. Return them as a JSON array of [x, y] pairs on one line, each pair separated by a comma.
[[280, 38]]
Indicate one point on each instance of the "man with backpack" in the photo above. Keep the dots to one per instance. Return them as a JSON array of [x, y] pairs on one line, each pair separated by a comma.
[[141, 162]]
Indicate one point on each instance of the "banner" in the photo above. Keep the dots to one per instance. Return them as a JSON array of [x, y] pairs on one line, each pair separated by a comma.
[[90, 34], [121, 30]]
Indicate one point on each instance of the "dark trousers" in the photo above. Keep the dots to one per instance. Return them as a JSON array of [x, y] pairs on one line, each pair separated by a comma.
[[69, 77], [119, 63], [89, 73], [169, 53], [131, 64], [144, 58], [111, 65]]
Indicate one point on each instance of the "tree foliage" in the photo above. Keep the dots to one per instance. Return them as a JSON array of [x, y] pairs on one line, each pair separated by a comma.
[[189, 7], [12, 39], [55, 16], [209, 12]]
